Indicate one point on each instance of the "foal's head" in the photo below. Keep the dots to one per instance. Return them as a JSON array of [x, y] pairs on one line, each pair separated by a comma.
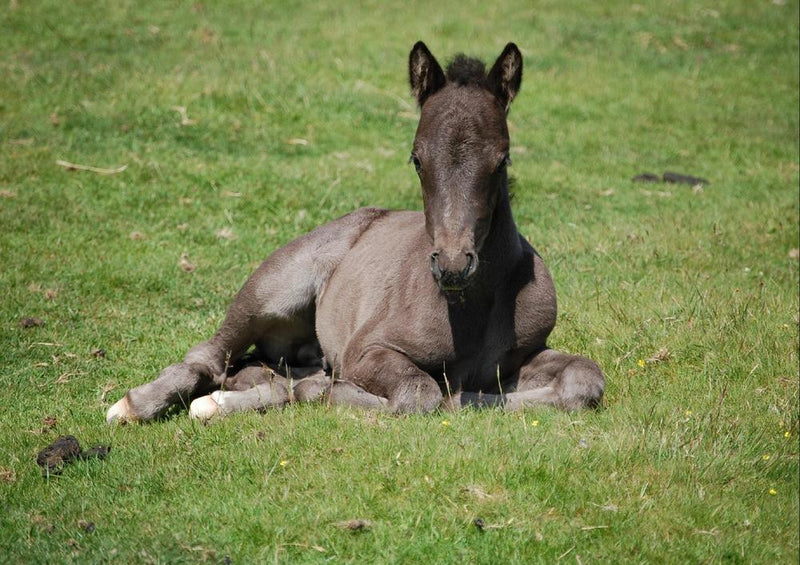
[[461, 153]]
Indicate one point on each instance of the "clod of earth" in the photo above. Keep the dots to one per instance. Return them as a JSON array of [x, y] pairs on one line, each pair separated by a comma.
[[646, 177], [482, 526], [675, 178], [31, 323], [358, 525], [65, 450], [684, 179], [53, 457]]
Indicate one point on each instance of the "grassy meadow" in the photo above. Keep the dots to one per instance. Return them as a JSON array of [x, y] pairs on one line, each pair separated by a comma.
[[241, 125]]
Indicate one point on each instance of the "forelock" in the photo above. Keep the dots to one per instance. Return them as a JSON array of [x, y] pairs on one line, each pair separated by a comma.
[[466, 71]]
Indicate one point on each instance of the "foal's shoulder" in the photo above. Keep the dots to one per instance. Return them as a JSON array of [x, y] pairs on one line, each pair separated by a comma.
[[532, 270], [535, 299]]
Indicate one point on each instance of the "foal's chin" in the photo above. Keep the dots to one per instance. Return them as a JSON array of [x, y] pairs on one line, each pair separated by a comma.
[[453, 294]]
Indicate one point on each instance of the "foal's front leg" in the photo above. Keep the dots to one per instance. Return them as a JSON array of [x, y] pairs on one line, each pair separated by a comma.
[[569, 382], [276, 391], [547, 378], [391, 375], [337, 393], [271, 390]]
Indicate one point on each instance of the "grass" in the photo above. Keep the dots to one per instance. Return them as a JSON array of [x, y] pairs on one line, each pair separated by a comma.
[[687, 299]]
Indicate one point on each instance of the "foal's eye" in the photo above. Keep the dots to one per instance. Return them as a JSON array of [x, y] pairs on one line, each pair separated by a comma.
[[417, 163], [504, 162]]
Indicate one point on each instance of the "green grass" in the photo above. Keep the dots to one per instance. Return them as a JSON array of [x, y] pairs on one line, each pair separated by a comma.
[[694, 458]]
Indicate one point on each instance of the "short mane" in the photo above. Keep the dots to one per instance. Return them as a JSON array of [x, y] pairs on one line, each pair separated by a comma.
[[466, 71]]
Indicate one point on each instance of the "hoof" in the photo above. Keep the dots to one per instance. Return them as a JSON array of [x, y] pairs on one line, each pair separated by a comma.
[[205, 407], [121, 412], [311, 388], [451, 403]]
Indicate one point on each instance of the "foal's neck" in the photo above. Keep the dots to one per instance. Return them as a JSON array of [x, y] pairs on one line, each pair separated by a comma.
[[502, 249]]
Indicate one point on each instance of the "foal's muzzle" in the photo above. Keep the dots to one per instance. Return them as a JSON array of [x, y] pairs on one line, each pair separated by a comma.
[[453, 273]]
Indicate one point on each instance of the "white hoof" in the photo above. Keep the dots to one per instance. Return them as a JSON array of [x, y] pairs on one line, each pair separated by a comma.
[[121, 412], [205, 407]]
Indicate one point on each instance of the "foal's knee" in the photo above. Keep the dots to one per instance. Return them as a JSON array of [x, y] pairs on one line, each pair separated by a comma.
[[582, 384]]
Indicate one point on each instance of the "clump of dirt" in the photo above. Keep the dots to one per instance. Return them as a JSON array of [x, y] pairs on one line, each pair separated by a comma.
[[357, 525], [675, 178], [27, 323], [86, 526], [63, 451]]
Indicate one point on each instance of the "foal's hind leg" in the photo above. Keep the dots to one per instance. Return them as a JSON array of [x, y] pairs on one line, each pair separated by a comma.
[[268, 390], [202, 370], [276, 391], [549, 378], [274, 310]]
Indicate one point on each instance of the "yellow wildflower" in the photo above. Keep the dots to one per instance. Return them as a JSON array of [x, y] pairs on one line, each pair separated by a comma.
[[787, 434], [535, 423], [773, 492], [445, 423], [283, 463], [640, 362], [765, 457]]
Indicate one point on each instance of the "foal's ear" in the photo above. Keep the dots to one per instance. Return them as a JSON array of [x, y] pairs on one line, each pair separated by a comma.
[[506, 75], [424, 73]]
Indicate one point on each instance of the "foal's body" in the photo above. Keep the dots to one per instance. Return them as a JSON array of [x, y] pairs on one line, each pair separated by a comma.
[[357, 296]]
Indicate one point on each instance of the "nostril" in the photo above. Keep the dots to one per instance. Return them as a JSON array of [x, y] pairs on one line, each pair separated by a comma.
[[470, 268], [435, 269]]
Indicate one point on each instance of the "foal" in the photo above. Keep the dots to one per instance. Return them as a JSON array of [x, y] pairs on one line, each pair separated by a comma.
[[408, 311]]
